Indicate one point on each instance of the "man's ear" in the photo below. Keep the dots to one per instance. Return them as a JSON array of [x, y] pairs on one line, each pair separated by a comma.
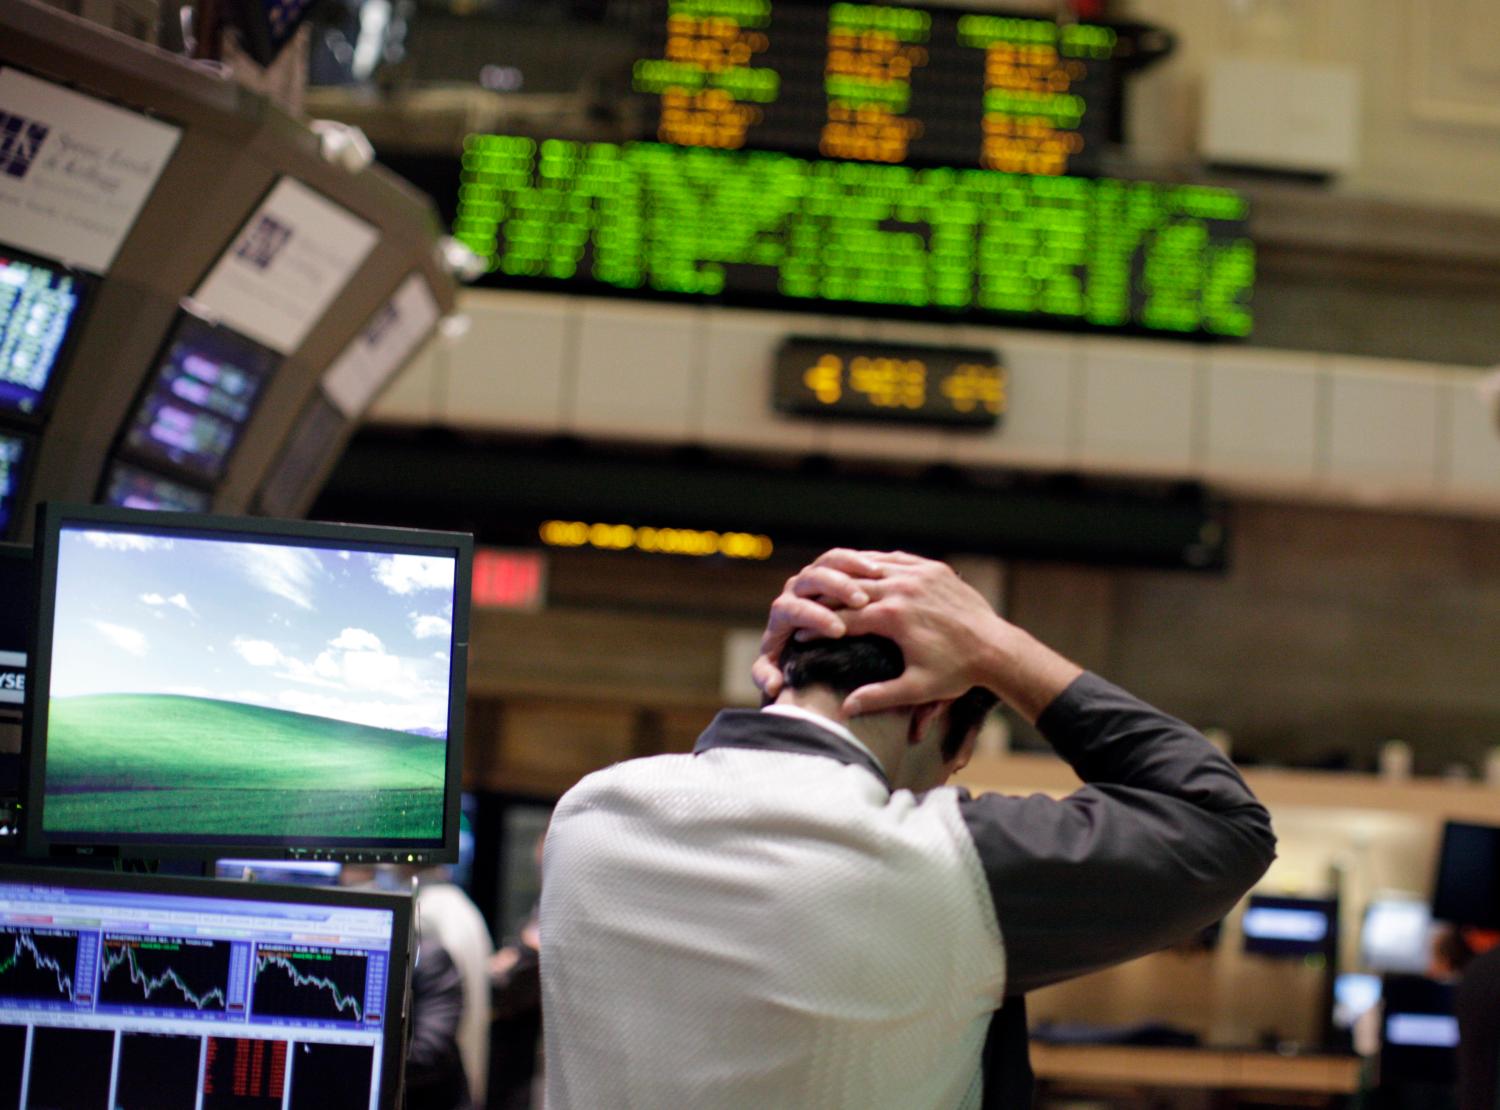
[[922, 717]]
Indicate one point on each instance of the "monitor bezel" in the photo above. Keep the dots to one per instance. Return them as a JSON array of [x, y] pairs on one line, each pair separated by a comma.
[[87, 285], [186, 315], [403, 933], [53, 516]]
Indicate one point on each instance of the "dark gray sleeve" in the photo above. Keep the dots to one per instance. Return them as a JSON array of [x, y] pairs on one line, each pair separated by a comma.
[[1164, 839]]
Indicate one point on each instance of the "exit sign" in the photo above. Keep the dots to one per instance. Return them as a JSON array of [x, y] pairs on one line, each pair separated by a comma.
[[509, 579]]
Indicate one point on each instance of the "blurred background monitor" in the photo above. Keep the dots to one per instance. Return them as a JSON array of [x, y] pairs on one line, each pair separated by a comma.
[[16, 618], [1419, 1032], [1355, 994], [1468, 876], [189, 418], [15, 451], [212, 687], [164, 990], [1396, 936], [1289, 927], [294, 871], [41, 304], [132, 487]]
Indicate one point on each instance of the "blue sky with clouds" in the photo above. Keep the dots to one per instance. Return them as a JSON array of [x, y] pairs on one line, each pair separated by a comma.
[[353, 635]]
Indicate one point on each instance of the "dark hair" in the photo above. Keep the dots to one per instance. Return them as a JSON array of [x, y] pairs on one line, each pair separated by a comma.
[[854, 661]]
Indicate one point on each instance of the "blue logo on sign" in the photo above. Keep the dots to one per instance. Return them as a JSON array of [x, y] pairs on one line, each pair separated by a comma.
[[263, 242], [20, 139]]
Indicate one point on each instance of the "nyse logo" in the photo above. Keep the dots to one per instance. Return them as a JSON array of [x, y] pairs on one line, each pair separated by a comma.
[[20, 139], [263, 242], [12, 687]]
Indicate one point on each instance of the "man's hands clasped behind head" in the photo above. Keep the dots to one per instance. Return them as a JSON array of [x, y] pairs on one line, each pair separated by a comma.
[[950, 636]]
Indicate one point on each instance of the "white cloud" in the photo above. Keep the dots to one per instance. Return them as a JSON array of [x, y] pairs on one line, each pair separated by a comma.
[[285, 572], [356, 639], [125, 541], [404, 574], [371, 670], [258, 653], [430, 627], [131, 640], [178, 599], [443, 655]]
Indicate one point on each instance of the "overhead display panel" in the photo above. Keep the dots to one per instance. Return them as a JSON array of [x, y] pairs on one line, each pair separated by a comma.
[[293, 256], [382, 348], [74, 171], [13, 452], [919, 84], [764, 227], [40, 305], [205, 389]]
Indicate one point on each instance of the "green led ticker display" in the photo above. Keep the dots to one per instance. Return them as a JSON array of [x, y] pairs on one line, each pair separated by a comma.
[[761, 227]]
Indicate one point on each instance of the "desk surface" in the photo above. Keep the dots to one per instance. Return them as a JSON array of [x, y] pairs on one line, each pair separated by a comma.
[[1210, 1068]]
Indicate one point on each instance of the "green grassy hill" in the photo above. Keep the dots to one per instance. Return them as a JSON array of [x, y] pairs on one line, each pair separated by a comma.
[[154, 763]]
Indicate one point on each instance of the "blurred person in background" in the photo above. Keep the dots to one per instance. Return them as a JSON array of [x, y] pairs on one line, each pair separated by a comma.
[[516, 1071], [1477, 1006], [799, 914]]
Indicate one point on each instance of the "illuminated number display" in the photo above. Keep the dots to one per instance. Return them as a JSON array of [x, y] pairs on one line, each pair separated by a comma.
[[884, 83], [758, 227], [915, 385]]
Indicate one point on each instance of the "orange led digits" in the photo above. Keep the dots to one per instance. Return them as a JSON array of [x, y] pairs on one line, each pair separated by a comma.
[[656, 541]]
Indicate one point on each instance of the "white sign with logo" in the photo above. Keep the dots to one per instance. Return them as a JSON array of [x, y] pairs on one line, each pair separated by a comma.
[[74, 171], [382, 348], [12, 677], [290, 260]]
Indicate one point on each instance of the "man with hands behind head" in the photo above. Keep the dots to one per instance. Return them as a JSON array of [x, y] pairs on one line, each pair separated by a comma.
[[800, 914]]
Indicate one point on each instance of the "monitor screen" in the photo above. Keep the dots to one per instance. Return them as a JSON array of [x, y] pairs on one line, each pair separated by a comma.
[[201, 397], [130, 487], [16, 613], [1396, 936], [40, 305], [1468, 880], [13, 455], [302, 872], [175, 994], [1418, 1031], [1277, 926], [1354, 995], [215, 686]]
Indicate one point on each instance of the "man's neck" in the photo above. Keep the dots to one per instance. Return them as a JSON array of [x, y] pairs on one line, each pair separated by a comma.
[[883, 733]]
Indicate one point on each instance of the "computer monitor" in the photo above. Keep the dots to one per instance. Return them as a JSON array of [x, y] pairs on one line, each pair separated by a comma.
[[1468, 876], [1396, 936], [1289, 927], [131, 487], [299, 872], [41, 304], [15, 452], [1419, 1032], [207, 383], [17, 606], [1355, 994], [214, 686], [143, 992]]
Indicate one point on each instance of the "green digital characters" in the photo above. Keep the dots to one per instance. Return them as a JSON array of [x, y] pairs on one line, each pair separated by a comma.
[[1096, 252]]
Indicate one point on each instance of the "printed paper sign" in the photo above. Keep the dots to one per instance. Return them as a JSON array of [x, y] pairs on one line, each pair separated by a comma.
[[74, 171], [387, 341], [286, 266]]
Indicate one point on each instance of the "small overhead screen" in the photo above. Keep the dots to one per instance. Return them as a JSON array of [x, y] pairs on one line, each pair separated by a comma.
[[1468, 876], [1419, 1031], [1396, 936], [131, 487], [215, 686], [188, 992], [197, 404], [15, 452], [40, 306], [1291, 927]]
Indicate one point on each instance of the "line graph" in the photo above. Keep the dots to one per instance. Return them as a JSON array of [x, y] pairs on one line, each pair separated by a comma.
[[325, 984], [170, 973], [38, 964]]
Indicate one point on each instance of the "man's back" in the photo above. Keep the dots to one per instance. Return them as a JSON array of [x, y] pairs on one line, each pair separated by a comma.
[[765, 928]]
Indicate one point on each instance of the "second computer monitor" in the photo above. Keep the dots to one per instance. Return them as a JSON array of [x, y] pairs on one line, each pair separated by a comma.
[[212, 686]]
